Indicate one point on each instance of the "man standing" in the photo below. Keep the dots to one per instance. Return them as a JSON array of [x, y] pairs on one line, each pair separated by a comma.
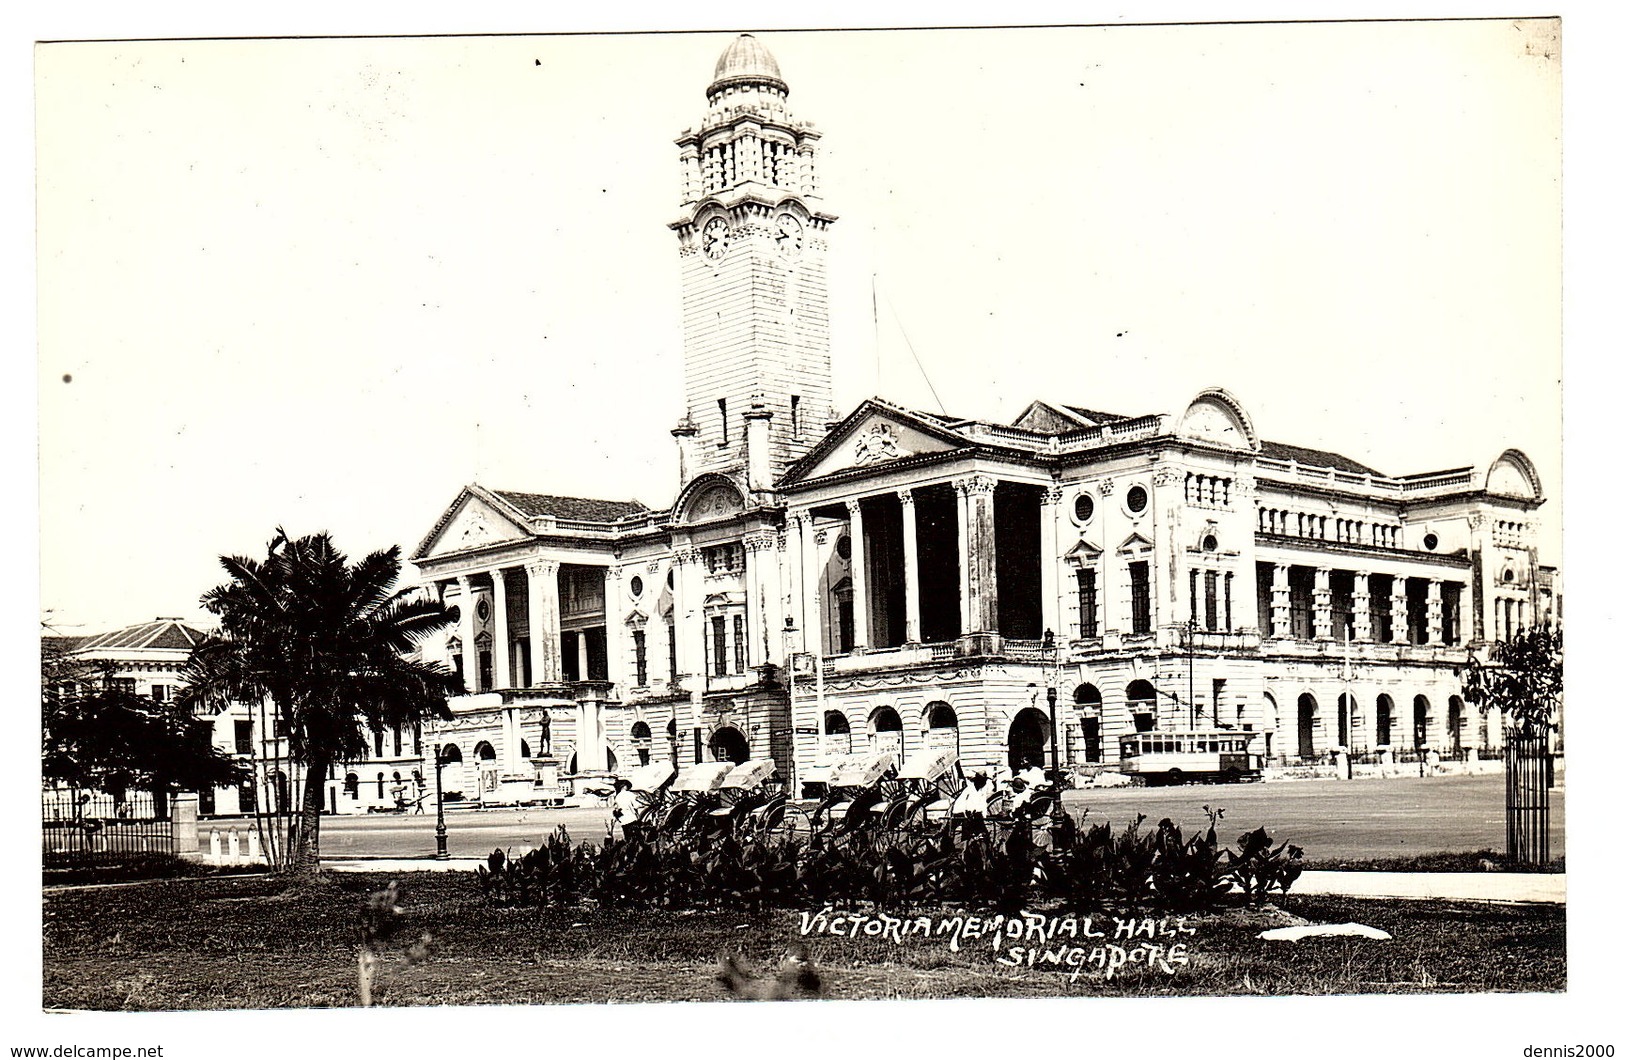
[[627, 808]]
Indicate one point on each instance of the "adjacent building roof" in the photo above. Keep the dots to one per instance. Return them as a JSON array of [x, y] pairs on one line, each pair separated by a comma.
[[167, 633], [578, 509], [1315, 458], [1096, 416]]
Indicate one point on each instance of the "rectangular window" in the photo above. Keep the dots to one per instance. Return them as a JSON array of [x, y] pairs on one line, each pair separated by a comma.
[[1139, 579], [722, 412], [1416, 609], [671, 650], [1088, 611], [1450, 617], [739, 644], [160, 693], [122, 684], [719, 646], [243, 733], [640, 657], [378, 744], [396, 742], [1229, 593], [485, 671], [1300, 583], [417, 738], [795, 416], [1381, 590], [1210, 588]]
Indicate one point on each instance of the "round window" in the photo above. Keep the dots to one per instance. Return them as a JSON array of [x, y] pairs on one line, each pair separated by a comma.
[[1137, 499], [636, 586], [1210, 543], [483, 609], [843, 548], [1084, 507], [1430, 542]]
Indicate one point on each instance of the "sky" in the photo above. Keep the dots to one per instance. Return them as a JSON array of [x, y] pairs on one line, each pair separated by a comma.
[[323, 283]]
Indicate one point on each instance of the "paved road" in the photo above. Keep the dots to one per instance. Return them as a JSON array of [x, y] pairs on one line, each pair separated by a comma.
[[1328, 818]]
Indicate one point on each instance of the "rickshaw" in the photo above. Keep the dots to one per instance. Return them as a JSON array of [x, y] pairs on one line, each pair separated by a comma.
[[649, 783], [925, 788], [857, 783], [689, 797], [752, 801]]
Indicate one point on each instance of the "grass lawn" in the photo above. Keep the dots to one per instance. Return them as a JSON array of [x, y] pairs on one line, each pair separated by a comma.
[[250, 943]]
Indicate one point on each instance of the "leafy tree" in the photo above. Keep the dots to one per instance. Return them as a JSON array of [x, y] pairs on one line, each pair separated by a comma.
[[1523, 678], [96, 736], [331, 646]]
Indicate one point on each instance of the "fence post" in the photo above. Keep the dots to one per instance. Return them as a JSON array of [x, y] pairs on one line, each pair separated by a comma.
[[183, 825]]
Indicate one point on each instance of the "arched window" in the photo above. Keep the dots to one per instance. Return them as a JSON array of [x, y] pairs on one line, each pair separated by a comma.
[[352, 785], [640, 730], [485, 752], [886, 732], [1457, 709], [1142, 705], [1028, 740], [524, 748], [942, 726], [450, 754], [1087, 699], [1385, 721], [380, 785], [837, 737], [1422, 715], [1308, 720]]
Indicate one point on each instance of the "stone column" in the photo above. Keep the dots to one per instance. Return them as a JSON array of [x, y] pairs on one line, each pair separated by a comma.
[[795, 600], [962, 499], [691, 629], [1323, 603], [1362, 605], [543, 578], [812, 586], [1049, 602], [617, 666], [1399, 612], [501, 675], [1281, 600], [510, 740], [1435, 612], [911, 569], [984, 587], [753, 600], [860, 578], [466, 633]]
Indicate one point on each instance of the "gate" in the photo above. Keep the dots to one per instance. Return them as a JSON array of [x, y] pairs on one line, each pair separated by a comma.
[[79, 825], [1529, 782]]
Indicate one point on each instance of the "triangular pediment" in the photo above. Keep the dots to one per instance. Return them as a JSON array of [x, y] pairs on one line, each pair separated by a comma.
[[874, 435], [472, 521], [1134, 544], [1083, 552]]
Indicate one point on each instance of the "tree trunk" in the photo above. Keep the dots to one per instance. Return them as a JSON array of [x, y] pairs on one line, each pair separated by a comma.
[[304, 856]]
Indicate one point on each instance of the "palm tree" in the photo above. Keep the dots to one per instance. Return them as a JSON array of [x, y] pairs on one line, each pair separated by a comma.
[[331, 646]]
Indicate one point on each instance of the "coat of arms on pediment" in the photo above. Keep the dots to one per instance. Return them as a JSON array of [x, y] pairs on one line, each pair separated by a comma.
[[879, 442]]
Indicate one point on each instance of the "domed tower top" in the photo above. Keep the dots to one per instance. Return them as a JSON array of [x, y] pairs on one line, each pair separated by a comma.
[[746, 62]]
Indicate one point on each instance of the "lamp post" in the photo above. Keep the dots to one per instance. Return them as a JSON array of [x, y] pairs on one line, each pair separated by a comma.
[[1190, 666], [1055, 813], [439, 810]]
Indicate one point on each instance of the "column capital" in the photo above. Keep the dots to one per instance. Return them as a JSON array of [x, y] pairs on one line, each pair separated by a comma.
[[905, 497], [541, 568], [466, 582], [1053, 495], [976, 484], [855, 506], [1106, 486], [685, 556]]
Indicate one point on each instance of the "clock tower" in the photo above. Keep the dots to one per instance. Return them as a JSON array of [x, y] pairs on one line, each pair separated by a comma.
[[752, 242]]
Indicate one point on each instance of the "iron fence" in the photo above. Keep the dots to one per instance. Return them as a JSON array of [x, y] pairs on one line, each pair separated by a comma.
[[1529, 781], [76, 824]]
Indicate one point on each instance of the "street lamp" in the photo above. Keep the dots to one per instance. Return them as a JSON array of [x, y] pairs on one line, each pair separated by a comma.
[[1055, 812], [439, 809]]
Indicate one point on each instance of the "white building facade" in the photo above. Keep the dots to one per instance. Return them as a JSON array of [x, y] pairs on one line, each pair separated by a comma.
[[899, 579]]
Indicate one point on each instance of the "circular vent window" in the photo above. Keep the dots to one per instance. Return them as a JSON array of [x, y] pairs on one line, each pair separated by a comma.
[[636, 586], [1084, 508], [1430, 542], [843, 548], [1137, 499]]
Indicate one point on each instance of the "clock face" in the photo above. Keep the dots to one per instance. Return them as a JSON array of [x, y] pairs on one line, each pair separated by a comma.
[[790, 236], [714, 238]]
